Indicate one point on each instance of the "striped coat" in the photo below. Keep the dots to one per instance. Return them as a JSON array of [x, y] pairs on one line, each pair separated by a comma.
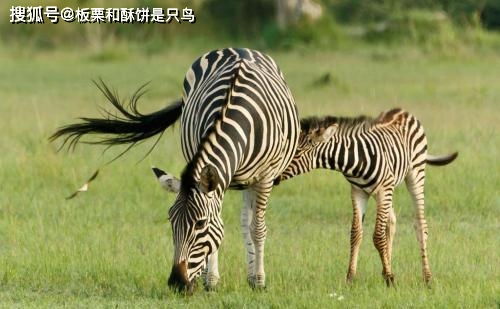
[[239, 129], [375, 156]]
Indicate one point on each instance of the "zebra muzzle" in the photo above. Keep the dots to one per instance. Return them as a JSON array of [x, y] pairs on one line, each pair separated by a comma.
[[179, 279]]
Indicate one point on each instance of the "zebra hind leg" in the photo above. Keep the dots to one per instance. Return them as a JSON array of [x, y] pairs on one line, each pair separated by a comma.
[[246, 219], [415, 184], [390, 232], [258, 230], [380, 237], [359, 199]]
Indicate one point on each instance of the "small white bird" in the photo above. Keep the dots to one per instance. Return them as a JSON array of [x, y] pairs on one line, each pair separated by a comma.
[[85, 186]]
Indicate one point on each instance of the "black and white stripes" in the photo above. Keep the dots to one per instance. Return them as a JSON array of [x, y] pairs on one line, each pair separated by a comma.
[[239, 129], [374, 155]]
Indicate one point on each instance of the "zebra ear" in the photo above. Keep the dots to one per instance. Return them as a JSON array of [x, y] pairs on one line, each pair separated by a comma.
[[167, 181], [209, 178], [324, 135]]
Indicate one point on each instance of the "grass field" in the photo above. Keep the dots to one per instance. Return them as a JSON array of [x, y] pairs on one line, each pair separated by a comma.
[[112, 247]]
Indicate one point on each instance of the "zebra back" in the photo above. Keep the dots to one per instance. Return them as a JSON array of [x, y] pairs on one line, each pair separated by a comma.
[[237, 109]]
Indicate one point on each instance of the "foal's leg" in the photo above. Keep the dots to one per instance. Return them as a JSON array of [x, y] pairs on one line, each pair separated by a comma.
[[380, 237], [359, 199], [390, 231], [415, 184]]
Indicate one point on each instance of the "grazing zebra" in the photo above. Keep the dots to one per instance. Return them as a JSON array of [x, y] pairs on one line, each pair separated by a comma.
[[374, 155], [239, 128]]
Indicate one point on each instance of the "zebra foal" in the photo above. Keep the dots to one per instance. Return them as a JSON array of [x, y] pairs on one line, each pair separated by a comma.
[[374, 155]]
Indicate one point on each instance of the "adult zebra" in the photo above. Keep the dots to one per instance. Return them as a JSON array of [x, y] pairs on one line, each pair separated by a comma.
[[374, 155], [239, 128]]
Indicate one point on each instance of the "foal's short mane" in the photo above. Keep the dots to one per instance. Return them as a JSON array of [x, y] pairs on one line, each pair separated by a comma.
[[393, 116], [314, 123]]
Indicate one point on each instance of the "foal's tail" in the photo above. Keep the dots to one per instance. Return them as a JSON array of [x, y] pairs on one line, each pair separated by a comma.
[[441, 160], [129, 126]]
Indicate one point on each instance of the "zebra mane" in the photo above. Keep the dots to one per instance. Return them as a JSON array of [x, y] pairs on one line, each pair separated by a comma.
[[188, 180], [187, 177], [310, 124]]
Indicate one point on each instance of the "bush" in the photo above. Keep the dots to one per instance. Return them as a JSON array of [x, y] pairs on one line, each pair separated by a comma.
[[239, 19], [323, 32], [429, 29], [490, 15]]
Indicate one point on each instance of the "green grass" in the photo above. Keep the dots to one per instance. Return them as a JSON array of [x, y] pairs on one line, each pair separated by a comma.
[[112, 246]]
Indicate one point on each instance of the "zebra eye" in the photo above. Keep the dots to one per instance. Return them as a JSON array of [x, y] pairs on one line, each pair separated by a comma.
[[200, 224]]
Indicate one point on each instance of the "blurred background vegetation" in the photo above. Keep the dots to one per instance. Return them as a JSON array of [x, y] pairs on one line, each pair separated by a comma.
[[444, 26], [112, 246]]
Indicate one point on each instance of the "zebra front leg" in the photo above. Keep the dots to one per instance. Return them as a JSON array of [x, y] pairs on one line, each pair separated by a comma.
[[415, 184], [246, 219], [359, 199], [258, 230], [211, 273], [380, 237]]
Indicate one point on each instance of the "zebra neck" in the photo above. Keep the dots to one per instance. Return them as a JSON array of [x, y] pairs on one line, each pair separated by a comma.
[[338, 154], [207, 156], [225, 168], [225, 171]]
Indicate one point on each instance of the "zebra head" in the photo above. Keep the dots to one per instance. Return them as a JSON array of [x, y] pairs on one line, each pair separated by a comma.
[[197, 226], [311, 140]]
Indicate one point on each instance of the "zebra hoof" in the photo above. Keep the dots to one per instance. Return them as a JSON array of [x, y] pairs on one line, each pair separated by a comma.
[[428, 280], [257, 282], [210, 282], [389, 280], [251, 281], [210, 288], [349, 278], [261, 287]]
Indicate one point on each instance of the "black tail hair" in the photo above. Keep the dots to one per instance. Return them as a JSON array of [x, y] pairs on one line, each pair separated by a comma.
[[129, 127], [441, 160]]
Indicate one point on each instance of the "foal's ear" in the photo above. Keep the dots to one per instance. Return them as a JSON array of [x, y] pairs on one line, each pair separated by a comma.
[[324, 134], [167, 181], [209, 178]]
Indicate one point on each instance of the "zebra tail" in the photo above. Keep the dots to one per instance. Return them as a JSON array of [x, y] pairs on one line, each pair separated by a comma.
[[441, 160], [127, 125]]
